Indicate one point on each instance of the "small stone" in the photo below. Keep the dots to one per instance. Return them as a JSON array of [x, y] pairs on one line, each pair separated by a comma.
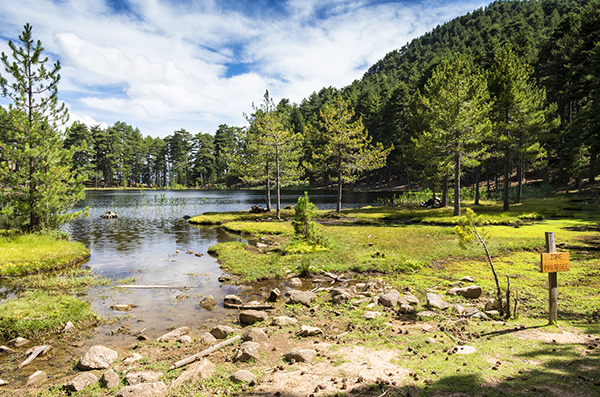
[[274, 295], [390, 298], [222, 331], [97, 357], [197, 370], [184, 339], [36, 379], [409, 299], [430, 340], [110, 379], [294, 283], [303, 297], [208, 303], [81, 381], [250, 317], [426, 313], [135, 378], [173, 335], [247, 351], [242, 376], [225, 278], [233, 301], [155, 389], [18, 342], [371, 315], [471, 292], [303, 356], [436, 300], [123, 308], [307, 330], [68, 327], [464, 349], [283, 320], [135, 357], [208, 338], [255, 335], [406, 309]]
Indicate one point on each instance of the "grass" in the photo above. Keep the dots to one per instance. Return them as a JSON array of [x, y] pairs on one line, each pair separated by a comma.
[[22, 254], [35, 313]]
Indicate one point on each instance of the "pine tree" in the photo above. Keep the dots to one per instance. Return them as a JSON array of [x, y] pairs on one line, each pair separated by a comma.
[[37, 185]]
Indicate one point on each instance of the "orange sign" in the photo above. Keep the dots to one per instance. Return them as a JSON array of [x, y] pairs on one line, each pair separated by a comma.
[[556, 262]]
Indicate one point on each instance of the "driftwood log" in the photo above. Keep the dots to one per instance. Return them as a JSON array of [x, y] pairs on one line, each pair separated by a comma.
[[203, 353]]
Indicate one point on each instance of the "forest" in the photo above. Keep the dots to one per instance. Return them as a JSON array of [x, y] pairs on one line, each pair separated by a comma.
[[530, 68]]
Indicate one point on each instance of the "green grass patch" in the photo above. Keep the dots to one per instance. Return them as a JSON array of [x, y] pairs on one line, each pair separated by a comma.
[[36, 313], [260, 228], [32, 253]]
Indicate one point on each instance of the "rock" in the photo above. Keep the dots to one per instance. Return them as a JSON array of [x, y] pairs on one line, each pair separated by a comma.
[[458, 309], [461, 322], [135, 357], [198, 254], [36, 379], [409, 299], [81, 381], [464, 349], [492, 304], [110, 379], [243, 376], [261, 245], [467, 279], [97, 357], [390, 298], [294, 282], [208, 303], [436, 300], [225, 278], [341, 295], [245, 288], [156, 389], [301, 356], [173, 335], [255, 335], [307, 330], [406, 309], [135, 378], [184, 339], [197, 370], [18, 342], [222, 331], [208, 338], [482, 315], [471, 292], [247, 351], [303, 297], [371, 315], [7, 350], [3, 382], [249, 317], [190, 252], [469, 311], [274, 295], [283, 320], [123, 308], [233, 301], [430, 340], [68, 327], [426, 313]]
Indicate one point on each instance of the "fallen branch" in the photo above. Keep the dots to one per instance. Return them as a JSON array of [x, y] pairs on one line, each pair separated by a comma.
[[383, 330], [384, 393], [203, 353], [35, 351]]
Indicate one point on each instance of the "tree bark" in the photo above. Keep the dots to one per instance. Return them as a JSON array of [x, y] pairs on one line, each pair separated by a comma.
[[268, 187], [519, 183], [340, 182], [457, 185], [277, 183], [444, 202], [477, 185]]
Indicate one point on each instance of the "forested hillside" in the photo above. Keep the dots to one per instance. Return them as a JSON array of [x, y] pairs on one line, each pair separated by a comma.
[[544, 56]]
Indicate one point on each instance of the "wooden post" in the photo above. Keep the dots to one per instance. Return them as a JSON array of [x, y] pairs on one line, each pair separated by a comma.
[[552, 281]]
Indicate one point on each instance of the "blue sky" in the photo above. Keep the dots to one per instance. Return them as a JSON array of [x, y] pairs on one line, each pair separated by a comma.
[[165, 65]]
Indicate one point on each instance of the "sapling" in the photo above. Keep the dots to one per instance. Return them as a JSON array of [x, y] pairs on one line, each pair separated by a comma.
[[467, 232]]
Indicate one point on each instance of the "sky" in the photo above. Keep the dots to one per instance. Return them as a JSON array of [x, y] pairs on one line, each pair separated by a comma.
[[166, 65]]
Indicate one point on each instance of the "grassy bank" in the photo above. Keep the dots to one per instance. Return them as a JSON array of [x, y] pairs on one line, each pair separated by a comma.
[[32, 253]]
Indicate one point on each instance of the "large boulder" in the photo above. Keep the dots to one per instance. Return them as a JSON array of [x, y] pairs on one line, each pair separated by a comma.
[[303, 297], [155, 389], [249, 317], [436, 300], [97, 357]]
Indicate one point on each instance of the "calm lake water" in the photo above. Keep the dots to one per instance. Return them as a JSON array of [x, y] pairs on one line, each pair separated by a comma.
[[143, 243]]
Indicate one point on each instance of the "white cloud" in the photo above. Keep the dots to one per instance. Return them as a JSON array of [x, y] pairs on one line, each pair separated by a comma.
[[163, 66]]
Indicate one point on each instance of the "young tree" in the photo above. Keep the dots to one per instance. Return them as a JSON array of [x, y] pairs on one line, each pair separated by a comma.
[[36, 183], [204, 158], [79, 135], [453, 111], [346, 148]]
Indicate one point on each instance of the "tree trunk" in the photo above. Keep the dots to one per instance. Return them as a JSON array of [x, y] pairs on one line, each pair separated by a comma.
[[268, 187], [339, 199], [519, 183], [477, 185], [506, 179], [592, 175], [277, 183], [457, 185], [444, 202]]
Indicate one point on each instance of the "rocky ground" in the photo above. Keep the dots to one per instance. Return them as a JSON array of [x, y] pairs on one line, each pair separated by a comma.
[[336, 338]]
